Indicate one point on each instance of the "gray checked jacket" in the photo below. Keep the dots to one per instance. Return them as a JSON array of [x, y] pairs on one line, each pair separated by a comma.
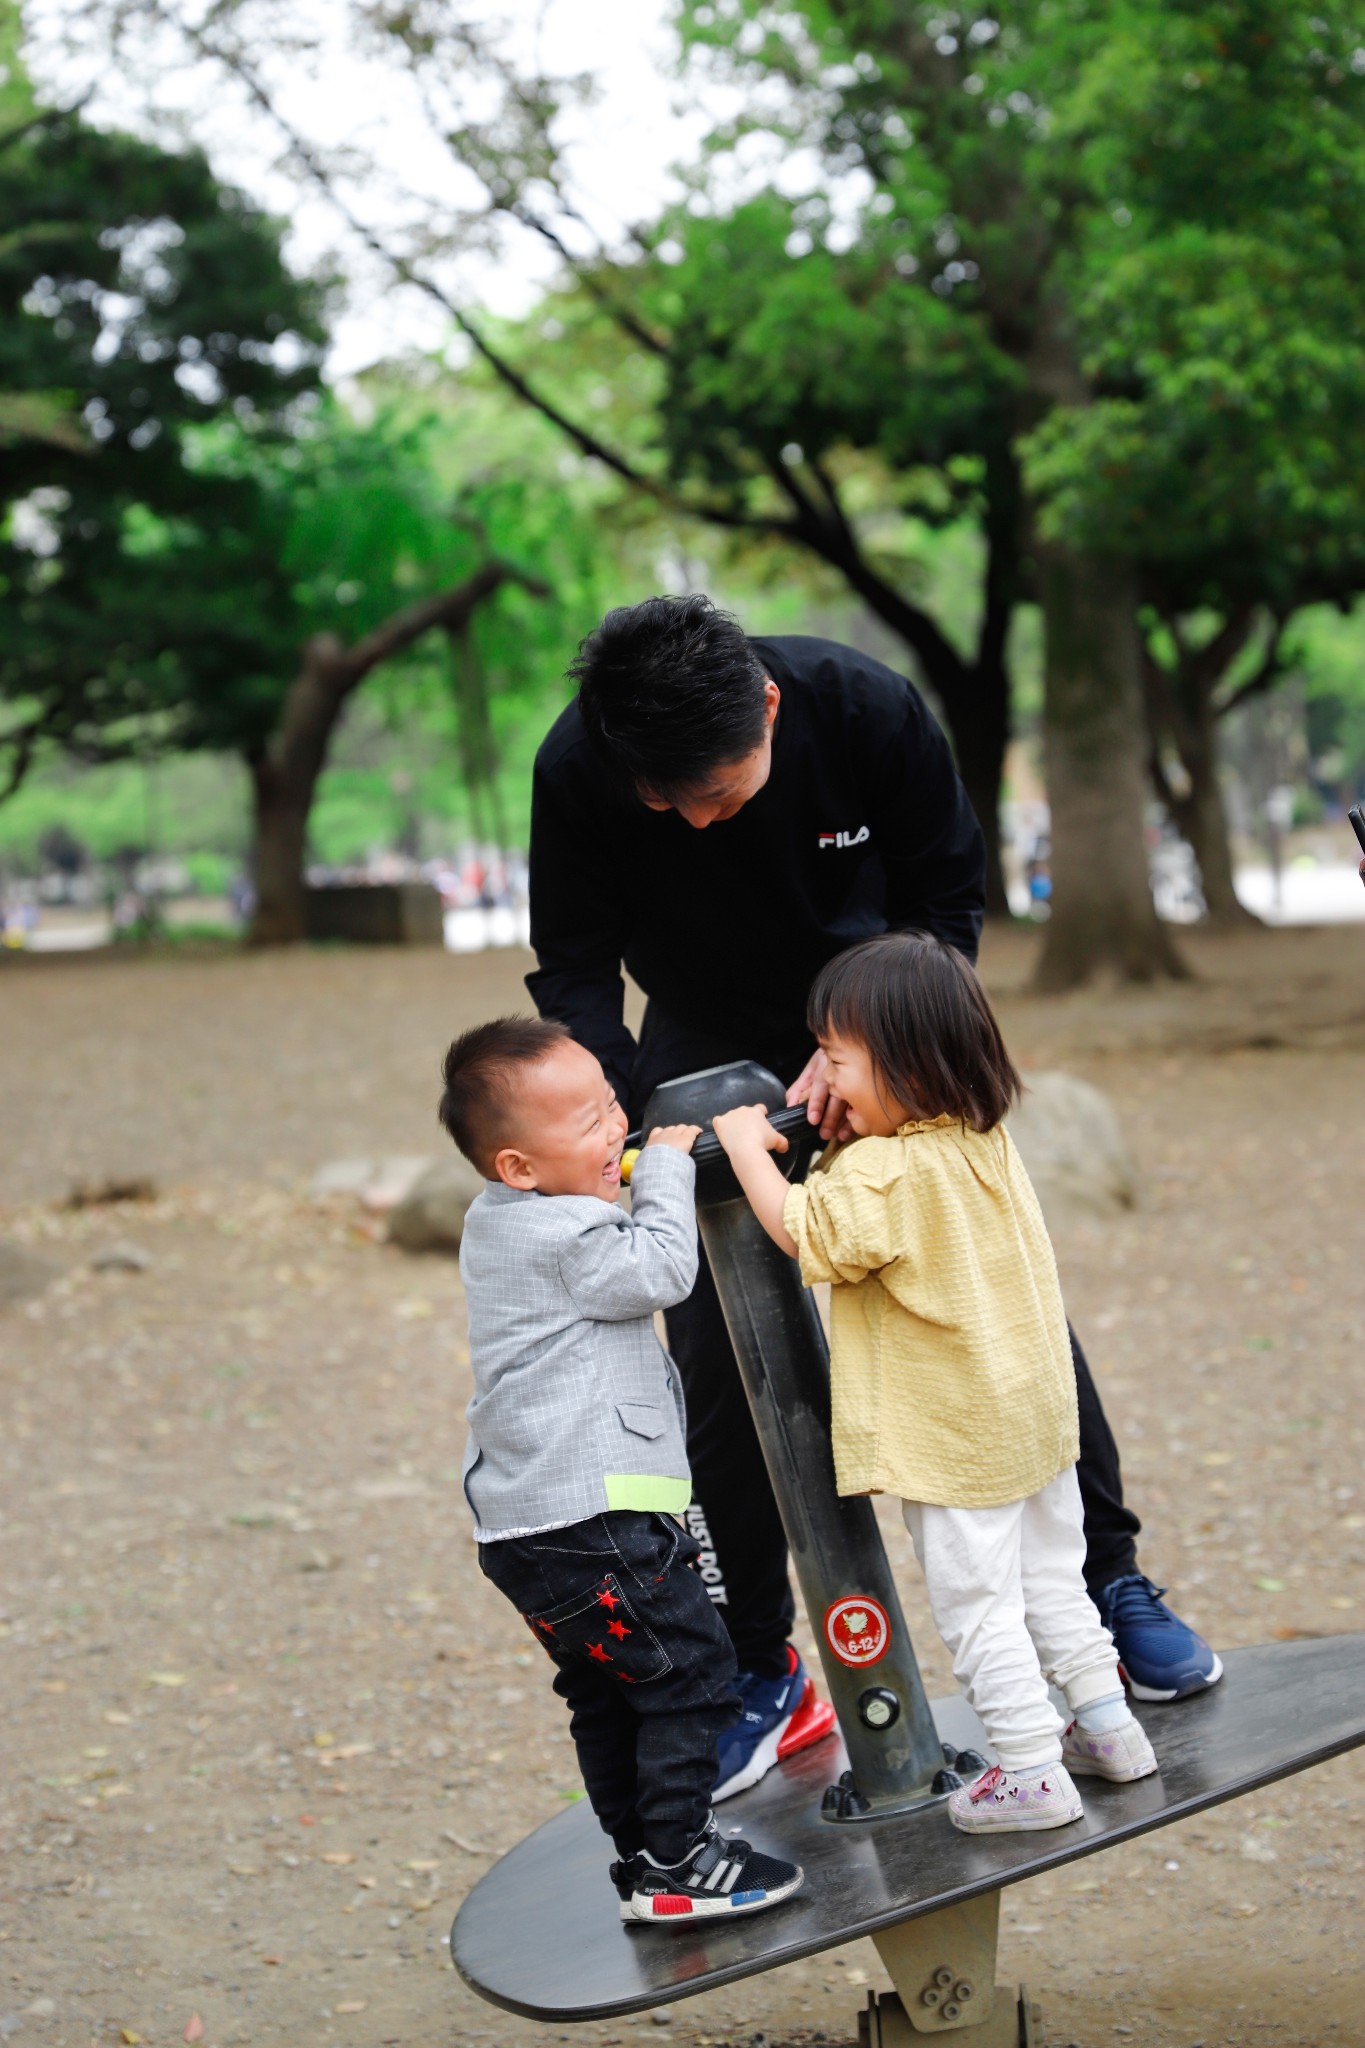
[[577, 1407]]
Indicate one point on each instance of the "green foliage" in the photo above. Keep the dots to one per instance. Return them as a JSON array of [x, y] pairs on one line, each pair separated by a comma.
[[1219, 289], [155, 299], [195, 802], [1330, 657], [782, 350], [1178, 185]]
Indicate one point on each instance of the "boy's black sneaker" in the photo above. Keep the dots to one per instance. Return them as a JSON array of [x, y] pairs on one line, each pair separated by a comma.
[[718, 1877], [623, 1876]]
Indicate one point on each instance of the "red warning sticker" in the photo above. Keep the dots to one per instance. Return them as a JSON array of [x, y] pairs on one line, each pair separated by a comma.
[[857, 1630]]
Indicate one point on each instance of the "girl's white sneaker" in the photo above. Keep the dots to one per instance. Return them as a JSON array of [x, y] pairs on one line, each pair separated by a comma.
[[1121, 1755], [1005, 1803]]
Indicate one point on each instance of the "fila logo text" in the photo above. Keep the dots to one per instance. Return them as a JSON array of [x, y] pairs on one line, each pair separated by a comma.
[[841, 839]]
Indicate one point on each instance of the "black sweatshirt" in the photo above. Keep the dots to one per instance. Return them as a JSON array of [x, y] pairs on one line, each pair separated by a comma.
[[861, 827]]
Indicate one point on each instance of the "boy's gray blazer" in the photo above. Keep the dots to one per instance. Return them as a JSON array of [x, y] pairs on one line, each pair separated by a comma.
[[577, 1407]]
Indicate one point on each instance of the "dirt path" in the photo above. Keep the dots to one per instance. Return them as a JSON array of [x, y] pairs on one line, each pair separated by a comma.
[[263, 1722]]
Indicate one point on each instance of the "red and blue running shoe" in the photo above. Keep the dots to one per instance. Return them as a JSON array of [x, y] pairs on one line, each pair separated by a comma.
[[718, 1878], [1160, 1655], [779, 1717]]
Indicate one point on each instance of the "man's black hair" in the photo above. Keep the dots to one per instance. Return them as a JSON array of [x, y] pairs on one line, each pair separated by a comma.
[[920, 1014], [670, 690], [480, 1071]]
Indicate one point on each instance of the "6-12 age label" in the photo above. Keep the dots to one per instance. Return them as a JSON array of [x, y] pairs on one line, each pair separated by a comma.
[[857, 1630]]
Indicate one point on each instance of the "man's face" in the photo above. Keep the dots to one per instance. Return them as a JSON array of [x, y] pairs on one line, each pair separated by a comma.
[[570, 1129], [729, 787]]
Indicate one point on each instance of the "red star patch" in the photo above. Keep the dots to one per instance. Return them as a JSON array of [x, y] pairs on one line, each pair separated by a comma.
[[618, 1629], [606, 1598], [599, 1655]]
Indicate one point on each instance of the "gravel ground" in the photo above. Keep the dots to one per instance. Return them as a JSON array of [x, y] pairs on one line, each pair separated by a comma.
[[264, 1724]]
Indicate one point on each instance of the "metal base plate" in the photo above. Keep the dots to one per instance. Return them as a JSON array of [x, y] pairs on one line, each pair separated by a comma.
[[540, 1934]]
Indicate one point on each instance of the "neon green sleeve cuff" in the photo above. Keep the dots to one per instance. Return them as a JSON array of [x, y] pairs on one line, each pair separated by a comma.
[[647, 1493]]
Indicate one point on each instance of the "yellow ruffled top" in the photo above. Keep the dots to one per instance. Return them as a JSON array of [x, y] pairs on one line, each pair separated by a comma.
[[951, 1372]]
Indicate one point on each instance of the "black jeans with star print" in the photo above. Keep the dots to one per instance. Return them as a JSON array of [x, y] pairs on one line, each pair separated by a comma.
[[643, 1660]]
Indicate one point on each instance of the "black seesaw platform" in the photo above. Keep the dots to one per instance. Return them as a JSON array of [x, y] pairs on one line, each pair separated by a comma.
[[540, 1934]]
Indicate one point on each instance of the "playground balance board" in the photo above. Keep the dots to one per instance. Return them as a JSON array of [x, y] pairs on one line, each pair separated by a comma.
[[540, 1933]]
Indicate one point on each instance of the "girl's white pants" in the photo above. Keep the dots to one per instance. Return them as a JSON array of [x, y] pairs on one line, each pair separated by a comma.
[[1009, 1600]]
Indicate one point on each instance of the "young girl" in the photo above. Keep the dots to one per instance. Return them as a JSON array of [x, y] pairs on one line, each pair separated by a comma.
[[950, 1366]]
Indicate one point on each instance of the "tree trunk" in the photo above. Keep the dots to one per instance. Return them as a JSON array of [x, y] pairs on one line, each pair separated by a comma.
[[280, 817], [979, 722], [1103, 917], [1199, 814], [474, 725], [285, 771], [1182, 715], [284, 778], [974, 696]]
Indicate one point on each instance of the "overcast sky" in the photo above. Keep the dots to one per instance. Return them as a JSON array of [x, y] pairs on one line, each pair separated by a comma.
[[620, 151]]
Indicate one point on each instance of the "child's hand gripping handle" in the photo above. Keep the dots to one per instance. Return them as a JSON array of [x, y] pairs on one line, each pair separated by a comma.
[[708, 1150]]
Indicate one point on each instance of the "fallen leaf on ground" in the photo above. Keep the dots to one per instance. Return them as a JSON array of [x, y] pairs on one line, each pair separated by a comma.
[[337, 1856], [424, 1863], [167, 1678], [351, 2005], [194, 2028]]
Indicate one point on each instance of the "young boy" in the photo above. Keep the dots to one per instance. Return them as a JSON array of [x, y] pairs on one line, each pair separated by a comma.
[[577, 1459]]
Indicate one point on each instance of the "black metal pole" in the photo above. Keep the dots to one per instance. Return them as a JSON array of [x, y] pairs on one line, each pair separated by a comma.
[[841, 1564]]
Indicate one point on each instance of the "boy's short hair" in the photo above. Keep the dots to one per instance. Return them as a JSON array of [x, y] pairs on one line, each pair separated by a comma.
[[669, 690], [480, 1072], [916, 1007]]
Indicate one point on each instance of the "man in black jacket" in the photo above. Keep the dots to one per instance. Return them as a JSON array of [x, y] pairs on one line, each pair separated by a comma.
[[721, 816]]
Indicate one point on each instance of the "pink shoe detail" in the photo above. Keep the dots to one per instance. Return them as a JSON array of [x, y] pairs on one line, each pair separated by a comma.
[[1122, 1757]]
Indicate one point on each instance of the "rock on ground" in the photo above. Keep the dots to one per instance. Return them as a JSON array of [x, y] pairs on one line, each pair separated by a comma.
[[430, 1216], [378, 1183], [1073, 1145], [122, 1257]]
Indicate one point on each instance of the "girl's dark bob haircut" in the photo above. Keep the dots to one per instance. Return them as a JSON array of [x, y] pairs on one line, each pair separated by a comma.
[[917, 1008]]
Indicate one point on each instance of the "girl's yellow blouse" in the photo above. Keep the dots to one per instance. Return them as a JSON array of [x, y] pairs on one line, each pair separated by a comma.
[[951, 1371]]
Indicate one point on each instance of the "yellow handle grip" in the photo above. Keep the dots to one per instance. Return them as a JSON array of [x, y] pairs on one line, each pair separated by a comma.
[[628, 1160]]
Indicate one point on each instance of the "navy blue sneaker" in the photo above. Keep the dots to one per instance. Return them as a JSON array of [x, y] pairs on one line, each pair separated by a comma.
[[778, 1717], [1160, 1657]]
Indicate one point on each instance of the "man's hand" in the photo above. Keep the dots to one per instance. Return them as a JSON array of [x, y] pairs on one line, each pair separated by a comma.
[[747, 1130], [681, 1137], [830, 1111]]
